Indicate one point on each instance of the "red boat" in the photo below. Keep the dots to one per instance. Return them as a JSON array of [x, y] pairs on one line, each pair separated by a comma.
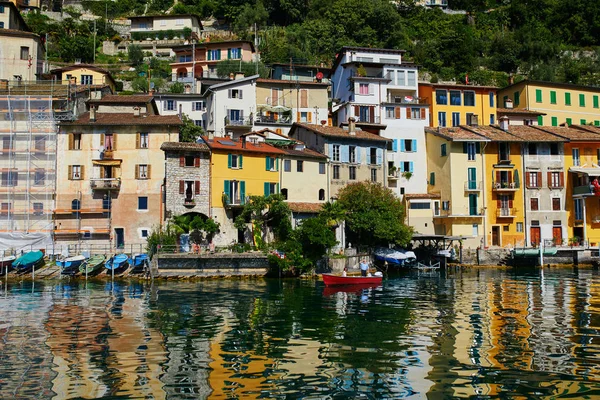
[[336, 280]]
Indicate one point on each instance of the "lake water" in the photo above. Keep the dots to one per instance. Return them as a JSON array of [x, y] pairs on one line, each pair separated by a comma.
[[474, 333]]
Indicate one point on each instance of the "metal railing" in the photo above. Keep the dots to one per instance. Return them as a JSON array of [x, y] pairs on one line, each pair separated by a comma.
[[473, 185], [270, 119], [105, 183], [505, 185], [506, 212]]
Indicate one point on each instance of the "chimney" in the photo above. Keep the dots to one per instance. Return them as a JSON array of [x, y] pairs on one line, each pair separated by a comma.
[[504, 122], [243, 140], [508, 103], [351, 126], [474, 120], [211, 135], [136, 111], [92, 113], [239, 75]]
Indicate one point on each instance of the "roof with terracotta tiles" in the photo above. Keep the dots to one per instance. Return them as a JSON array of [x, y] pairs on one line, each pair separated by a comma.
[[589, 128], [227, 144], [422, 196], [304, 153], [118, 99], [451, 86], [531, 134], [305, 207], [336, 132], [456, 134], [290, 82], [125, 119], [494, 133], [184, 146], [572, 134], [519, 111]]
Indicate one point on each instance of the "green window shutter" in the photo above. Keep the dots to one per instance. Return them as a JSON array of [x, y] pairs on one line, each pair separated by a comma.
[[567, 99], [443, 150], [554, 121], [228, 160], [277, 164], [553, 97], [517, 98], [540, 120], [243, 192], [226, 190], [569, 121], [582, 122], [581, 100], [240, 161], [596, 105], [432, 179], [266, 187], [597, 123], [228, 54], [538, 95], [268, 163]]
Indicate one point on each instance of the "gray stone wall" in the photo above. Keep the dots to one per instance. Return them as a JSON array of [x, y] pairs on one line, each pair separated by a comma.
[[211, 265], [175, 173]]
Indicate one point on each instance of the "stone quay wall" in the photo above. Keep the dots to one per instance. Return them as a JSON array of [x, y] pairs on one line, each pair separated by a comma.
[[210, 265]]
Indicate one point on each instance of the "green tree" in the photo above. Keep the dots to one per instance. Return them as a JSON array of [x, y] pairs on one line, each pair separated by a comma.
[[176, 87], [189, 131], [374, 215], [227, 67], [315, 236], [135, 55], [266, 211]]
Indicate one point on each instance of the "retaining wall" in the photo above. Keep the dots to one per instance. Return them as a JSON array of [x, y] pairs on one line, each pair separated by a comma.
[[210, 265]]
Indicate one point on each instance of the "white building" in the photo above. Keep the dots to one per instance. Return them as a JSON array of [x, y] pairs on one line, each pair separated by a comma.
[[381, 92], [231, 107], [192, 105]]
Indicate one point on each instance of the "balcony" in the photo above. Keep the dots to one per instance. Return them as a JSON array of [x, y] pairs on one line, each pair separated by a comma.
[[238, 123], [407, 100], [394, 175], [585, 190], [105, 183], [270, 119], [236, 201], [473, 186], [189, 202], [107, 155], [506, 213], [505, 186]]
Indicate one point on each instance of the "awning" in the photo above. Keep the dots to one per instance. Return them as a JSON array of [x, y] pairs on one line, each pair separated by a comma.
[[586, 171], [107, 163], [276, 109]]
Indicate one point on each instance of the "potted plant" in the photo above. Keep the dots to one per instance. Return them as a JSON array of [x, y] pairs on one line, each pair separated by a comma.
[[407, 175], [361, 70], [574, 241], [392, 170]]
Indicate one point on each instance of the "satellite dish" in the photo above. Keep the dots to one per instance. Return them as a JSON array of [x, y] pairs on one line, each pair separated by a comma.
[[319, 76]]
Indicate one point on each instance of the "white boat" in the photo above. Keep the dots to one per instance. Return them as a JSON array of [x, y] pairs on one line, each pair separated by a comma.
[[395, 257]]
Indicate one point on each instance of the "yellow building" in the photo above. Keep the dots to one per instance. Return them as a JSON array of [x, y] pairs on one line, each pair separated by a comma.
[[84, 74], [582, 157], [454, 105], [561, 102], [456, 172], [240, 169]]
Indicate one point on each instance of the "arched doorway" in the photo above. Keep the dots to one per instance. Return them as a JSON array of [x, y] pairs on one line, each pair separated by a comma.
[[182, 72]]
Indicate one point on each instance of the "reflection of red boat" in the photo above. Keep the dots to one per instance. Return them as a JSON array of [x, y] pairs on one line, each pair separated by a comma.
[[331, 290], [336, 280]]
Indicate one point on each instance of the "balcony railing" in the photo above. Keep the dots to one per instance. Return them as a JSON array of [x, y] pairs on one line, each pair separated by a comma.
[[461, 212], [394, 175], [105, 183], [238, 122], [506, 212], [473, 186], [234, 201], [585, 190], [407, 100], [189, 202], [270, 119], [505, 186]]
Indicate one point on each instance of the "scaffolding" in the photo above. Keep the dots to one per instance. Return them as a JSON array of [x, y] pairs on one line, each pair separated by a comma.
[[28, 132]]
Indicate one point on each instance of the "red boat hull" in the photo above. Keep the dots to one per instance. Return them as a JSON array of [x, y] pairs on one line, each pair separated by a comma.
[[336, 280]]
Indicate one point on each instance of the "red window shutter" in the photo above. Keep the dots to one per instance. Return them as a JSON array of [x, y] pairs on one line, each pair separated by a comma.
[[549, 179], [372, 114], [423, 113], [197, 162], [510, 204], [397, 112], [497, 176], [197, 187], [562, 179], [182, 161], [509, 176], [527, 179], [181, 187], [499, 203], [356, 111], [539, 179], [408, 113]]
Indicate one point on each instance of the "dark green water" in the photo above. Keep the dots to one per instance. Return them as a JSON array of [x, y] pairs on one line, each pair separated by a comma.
[[477, 333]]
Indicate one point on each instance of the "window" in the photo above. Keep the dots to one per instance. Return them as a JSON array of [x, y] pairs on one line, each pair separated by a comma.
[[390, 113], [441, 97], [1, 9], [352, 173], [5, 209], [533, 149], [469, 98], [506, 228], [471, 151], [363, 88], [75, 172], [235, 191], [336, 172], [519, 227], [534, 179], [352, 154], [492, 119], [442, 119], [1, 25], [198, 106], [373, 156], [555, 180], [595, 100], [534, 204], [406, 166], [373, 174], [299, 166], [142, 203], [287, 165], [582, 122], [235, 53], [214, 54], [408, 145], [420, 206], [39, 177], [179, 22], [170, 105], [335, 156], [38, 208], [272, 164], [402, 191], [556, 204], [504, 152], [436, 208], [446, 205], [567, 99], [540, 120], [554, 150], [304, 116], [87, 80], [321, 194], [554, 121], [322, 168], [538, 95], [236, 161], [443, 149], [455, 119], [271, 188], [143, 171], [596, 123], [24, 53], [492, 96], [75, 141], [475, 230], [581, 100], [189, 161], [143, 140], [417, 113], [552, 97], [576, 161], [235, 94], [10, 178], [578, 205], [432, 178], [455, 98], [412, 79], [569, 122], [144, 233], [185, 58]]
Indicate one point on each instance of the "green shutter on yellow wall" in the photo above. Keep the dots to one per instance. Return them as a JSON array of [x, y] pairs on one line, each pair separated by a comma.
[[538, 95]]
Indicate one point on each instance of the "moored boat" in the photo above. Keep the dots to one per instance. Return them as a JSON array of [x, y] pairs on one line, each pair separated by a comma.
[[116, 262], [93, 264], [29, 260], [400, 258], [335, 280], [138, 261], [70, 265], [6, 261]]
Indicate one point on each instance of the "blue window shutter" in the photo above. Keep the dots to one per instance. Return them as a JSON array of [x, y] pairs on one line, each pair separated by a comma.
[[414, 144], [266, 187], [402, 147], [226, 190], [395, 145], [243, 192], [358, 153], [228, 160], [268, 163], [368, 155], [411, 165], [379, 156], [345, 153], [240, 161], [401, 167], [330, 151]]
